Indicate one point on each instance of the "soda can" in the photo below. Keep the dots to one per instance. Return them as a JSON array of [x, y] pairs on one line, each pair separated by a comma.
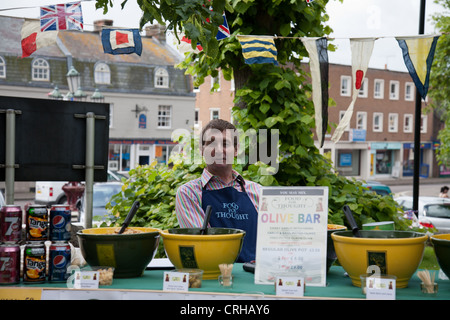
[[10, 224], [60, 217], [37, 223], [34, 263], [9, 264], [59, 260]]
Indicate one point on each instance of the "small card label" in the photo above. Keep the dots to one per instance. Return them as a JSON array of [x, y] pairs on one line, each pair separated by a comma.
[[290, 286], [86, 280], [380, 289], [176, 281]]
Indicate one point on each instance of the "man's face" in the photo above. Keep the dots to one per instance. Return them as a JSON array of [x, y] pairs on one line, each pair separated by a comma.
[[218, 147]]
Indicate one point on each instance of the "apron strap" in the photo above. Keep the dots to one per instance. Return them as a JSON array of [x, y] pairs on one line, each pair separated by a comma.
[[239, 179]]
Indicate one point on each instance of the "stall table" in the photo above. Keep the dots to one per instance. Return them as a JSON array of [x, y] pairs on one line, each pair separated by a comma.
[[150, 286]]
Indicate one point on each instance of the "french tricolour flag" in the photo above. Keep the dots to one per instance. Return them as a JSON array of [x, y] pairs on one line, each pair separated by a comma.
[[121, 41]]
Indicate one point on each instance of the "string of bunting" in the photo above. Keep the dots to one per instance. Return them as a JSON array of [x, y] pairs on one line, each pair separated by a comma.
[[418, 54]]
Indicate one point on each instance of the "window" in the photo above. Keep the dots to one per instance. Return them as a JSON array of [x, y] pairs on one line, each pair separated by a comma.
[[363, 91], [361, 120], [164, 117], [102, 73], [377, 122], [40, 70], [378, 89], [161, 78], [409, 91], [214, 114], [393, 122], [196, 118], [341, 115], [2, 68], [393, 90], [215, 83], [408, 123], [423, 124], [346, 86]]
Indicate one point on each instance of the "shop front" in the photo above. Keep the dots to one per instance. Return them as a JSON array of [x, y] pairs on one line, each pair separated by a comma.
[[126, 154], [425, 159], [385, 159]]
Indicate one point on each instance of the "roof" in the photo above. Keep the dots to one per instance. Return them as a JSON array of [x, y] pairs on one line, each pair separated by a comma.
[[86, 46]]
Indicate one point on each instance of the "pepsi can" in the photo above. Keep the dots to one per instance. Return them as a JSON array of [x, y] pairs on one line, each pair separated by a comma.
[[10, 224], [34, 263], [60, 217], [9, 264], [59, 260]]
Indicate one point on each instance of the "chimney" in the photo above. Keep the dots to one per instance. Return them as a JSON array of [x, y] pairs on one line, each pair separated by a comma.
[[98, 24], [156, 31]]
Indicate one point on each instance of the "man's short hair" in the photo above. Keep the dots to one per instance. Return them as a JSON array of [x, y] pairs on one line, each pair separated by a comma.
[[220, 125]]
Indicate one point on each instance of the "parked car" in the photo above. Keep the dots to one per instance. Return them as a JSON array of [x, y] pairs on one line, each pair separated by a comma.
[[433, 212], [51, 192], [102, 194], [378, 188]]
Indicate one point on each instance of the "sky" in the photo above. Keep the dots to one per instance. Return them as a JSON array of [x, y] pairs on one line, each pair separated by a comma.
[[383, 19]]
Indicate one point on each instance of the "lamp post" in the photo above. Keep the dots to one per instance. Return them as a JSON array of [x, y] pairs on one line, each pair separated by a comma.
[[73, 79], [97, 96], [55, 94]]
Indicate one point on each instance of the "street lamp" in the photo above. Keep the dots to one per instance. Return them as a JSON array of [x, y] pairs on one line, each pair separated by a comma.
[[73, 80], [55, 94], [97, 96], [79, 94]]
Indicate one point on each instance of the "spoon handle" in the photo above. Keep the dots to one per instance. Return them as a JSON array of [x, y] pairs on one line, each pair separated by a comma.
[[206, 221]]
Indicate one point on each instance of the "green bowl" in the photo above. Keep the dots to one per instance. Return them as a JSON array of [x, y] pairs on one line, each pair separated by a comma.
[[129, 254], [441, 245]]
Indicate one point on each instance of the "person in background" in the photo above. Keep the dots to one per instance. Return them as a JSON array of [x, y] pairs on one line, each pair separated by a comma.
[[444, 192], [234, 201]]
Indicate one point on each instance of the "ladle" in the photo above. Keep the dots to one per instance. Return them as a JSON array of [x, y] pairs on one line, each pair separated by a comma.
[[351, 220], [130, 216], [206, 221]]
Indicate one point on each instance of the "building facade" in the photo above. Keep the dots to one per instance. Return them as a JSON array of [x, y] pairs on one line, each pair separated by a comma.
[[379, 142], [148, 96]]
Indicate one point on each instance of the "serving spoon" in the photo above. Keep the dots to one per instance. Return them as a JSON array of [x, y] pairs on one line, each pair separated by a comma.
[[206, 221], [130, 216]]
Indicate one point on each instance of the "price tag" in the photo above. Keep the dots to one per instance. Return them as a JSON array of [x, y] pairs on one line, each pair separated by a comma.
[[290, 286], [86, 279], [176, 281], [380, 288]]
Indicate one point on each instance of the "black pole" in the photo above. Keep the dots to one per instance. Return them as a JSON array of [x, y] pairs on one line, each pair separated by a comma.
[[418, 121]]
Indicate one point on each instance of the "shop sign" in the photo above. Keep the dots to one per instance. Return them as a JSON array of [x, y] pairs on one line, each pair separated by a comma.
[[142, 121], [292, 234], [357, 135]]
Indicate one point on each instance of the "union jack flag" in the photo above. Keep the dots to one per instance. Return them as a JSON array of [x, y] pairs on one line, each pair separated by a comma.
[[66, 16]]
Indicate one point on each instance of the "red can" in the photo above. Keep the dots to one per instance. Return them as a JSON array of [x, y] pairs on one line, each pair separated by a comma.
[[9, 263], [34, 263], [10, 224], [37, 223]]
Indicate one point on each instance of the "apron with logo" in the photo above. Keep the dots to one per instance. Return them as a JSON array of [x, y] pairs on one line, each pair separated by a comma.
[[233, 209]]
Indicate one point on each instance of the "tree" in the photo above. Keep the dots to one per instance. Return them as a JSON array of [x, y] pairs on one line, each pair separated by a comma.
[[268, 96], [439, 80]]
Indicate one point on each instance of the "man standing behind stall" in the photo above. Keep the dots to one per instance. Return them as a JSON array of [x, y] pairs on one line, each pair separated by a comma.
[[234, 201]]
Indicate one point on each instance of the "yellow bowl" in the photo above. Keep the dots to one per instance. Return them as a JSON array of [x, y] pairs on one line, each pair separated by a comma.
[[206, 252], [398, 253]]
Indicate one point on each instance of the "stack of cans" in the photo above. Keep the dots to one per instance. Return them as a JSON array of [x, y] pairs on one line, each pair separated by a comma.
[[10, 236], [40, 227]]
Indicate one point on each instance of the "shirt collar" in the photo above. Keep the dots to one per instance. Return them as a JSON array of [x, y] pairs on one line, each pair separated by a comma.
[[207, 176]]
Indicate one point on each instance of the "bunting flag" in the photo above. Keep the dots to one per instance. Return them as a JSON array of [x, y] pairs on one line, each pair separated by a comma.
[[258, 49], [224, 30], [33, 38], [318, 61], [66, 16], [185, 46], [121, 41], [418, 54], [361, 53]]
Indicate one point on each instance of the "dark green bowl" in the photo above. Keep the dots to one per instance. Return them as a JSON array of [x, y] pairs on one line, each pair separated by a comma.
[[441, 245], [129, 254]]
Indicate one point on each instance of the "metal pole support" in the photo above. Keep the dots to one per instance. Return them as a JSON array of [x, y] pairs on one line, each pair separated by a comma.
[[89, 178], [10, 155]]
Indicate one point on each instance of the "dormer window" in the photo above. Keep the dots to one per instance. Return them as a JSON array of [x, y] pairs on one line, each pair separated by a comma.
[[161, 78], [40, 70]]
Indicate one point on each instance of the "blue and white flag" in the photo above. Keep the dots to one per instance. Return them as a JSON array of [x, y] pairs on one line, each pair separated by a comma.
[[121, 41]]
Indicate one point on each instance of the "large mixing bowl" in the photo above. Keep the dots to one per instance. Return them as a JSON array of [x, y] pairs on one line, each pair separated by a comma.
[[441, 245], [129, 254], [397, 253], [331, 253], [187, 248]]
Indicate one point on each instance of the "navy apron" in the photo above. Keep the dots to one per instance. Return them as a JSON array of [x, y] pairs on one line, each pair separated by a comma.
[[233, 209]]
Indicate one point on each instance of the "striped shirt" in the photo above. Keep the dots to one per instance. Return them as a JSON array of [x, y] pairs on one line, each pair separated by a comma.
[[189, 197]]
